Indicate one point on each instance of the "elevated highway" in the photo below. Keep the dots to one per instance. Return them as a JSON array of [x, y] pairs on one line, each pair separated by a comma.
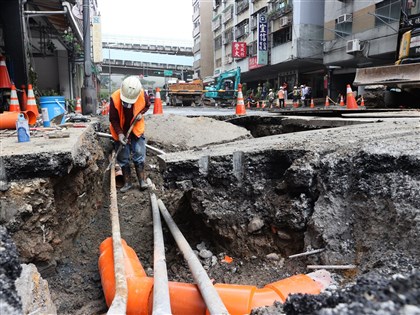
[[147, 58]]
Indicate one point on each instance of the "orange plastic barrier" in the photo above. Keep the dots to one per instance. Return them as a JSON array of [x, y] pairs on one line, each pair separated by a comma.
[[8, 119], [157, 106], [240, 105], [351, 100], [186, 298]]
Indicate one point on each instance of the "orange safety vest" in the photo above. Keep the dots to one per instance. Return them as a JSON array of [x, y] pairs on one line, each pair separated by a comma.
[[138, 128], [280, 94]]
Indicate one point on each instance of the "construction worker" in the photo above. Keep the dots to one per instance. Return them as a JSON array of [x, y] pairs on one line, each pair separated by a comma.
[[125, 106]]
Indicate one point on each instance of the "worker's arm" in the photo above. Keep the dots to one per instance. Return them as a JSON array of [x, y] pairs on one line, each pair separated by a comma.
[[114, 118]]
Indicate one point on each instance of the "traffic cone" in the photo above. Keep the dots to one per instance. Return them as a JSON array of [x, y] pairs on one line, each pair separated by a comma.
[[350, 99], [14, 102], [258, 104], [31, 104], [295, 104], [362, 102], [23, 98], [157, 108], [78, 108], [327, 102], [5, 82], [249, 106], [312, 105], [240, 106], [341, 100]]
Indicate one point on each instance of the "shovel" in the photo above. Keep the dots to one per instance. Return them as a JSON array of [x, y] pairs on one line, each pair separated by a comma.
[[115, 154]]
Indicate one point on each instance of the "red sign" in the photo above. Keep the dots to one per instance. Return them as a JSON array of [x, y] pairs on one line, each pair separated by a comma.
[[253, 63], [238, 49]]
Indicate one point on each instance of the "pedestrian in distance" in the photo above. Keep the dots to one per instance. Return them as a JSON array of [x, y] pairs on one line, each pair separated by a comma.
[[302, 95], [285, 89], [271, 97], [296, 95], [127, 106], [281, 97]]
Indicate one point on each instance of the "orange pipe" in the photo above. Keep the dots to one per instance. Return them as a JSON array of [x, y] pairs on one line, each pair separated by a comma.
[[8, 119], [186, 298]]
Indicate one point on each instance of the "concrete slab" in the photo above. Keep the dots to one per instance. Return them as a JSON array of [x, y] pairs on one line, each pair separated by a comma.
[[43, 156]]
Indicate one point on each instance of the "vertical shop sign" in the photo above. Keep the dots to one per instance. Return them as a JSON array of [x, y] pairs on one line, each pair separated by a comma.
[[262, 40]]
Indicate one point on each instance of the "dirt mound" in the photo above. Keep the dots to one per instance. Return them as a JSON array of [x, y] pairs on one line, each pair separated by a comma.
[[184, 133]]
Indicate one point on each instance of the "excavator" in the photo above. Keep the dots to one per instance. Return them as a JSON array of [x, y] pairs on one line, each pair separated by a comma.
[[225, 90], [404, 75]]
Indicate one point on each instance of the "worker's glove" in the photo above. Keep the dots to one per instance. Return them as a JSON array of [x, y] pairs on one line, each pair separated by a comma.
[[121, 139], [138, 117]]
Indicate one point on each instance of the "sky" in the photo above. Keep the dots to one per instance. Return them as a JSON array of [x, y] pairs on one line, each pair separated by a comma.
[[162, 21]]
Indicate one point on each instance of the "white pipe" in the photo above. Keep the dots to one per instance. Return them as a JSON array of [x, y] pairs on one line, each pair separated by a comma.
[[73, 22], [161, 299], [315, 251], [119, 303], [208, 292]]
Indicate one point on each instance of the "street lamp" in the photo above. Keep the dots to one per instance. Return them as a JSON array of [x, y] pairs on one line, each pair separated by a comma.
[[109, 72], [109, 69]]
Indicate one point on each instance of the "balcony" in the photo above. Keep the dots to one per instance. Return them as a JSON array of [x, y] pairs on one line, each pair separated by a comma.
[[227, 14], [216, 23]]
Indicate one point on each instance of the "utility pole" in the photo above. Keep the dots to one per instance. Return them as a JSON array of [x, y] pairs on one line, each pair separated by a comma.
[[89, 98]]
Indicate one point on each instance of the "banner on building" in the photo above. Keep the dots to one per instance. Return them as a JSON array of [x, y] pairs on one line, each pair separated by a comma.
[[239, 49], [253, 63], [262, 40], [96, 39]]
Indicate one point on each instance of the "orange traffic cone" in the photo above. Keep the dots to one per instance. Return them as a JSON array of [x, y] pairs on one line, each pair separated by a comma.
[[23, 98], [14, 102], [295, 104], [5, 82], [78, 108], [249, 106], [350, 99], [327, 102], [362, 102], [240, 106], [157, 108], [31, 104], [312, 105], [258, 104], [341, 100]]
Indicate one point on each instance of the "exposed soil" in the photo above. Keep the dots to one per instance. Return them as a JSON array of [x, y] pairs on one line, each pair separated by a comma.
[[216, 216]]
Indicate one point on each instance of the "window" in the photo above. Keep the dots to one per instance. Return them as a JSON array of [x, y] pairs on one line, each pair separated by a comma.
[[387, 11], [343, 29], [218, 42], [282, 36]]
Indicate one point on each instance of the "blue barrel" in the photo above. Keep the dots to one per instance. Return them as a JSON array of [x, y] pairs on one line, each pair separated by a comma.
[[51, 107]]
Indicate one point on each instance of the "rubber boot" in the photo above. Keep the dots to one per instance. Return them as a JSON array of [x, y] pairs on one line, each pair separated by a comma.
[[141, 178], [127, 182]]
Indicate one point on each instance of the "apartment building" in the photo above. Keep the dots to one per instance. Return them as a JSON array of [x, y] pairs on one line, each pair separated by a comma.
[[203, 39], [358, 34], [292, 35]]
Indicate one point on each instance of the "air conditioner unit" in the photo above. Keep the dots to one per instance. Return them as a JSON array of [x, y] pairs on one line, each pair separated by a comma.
[[284, 21], [344, 18], [353, 46], [224, 41], [230, 59]]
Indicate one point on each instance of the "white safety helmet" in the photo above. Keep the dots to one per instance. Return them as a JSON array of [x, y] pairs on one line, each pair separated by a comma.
[[130, 89]]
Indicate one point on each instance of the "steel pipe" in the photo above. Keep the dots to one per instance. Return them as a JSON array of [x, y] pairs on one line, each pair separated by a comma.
[[161, 300], [208, 291]]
